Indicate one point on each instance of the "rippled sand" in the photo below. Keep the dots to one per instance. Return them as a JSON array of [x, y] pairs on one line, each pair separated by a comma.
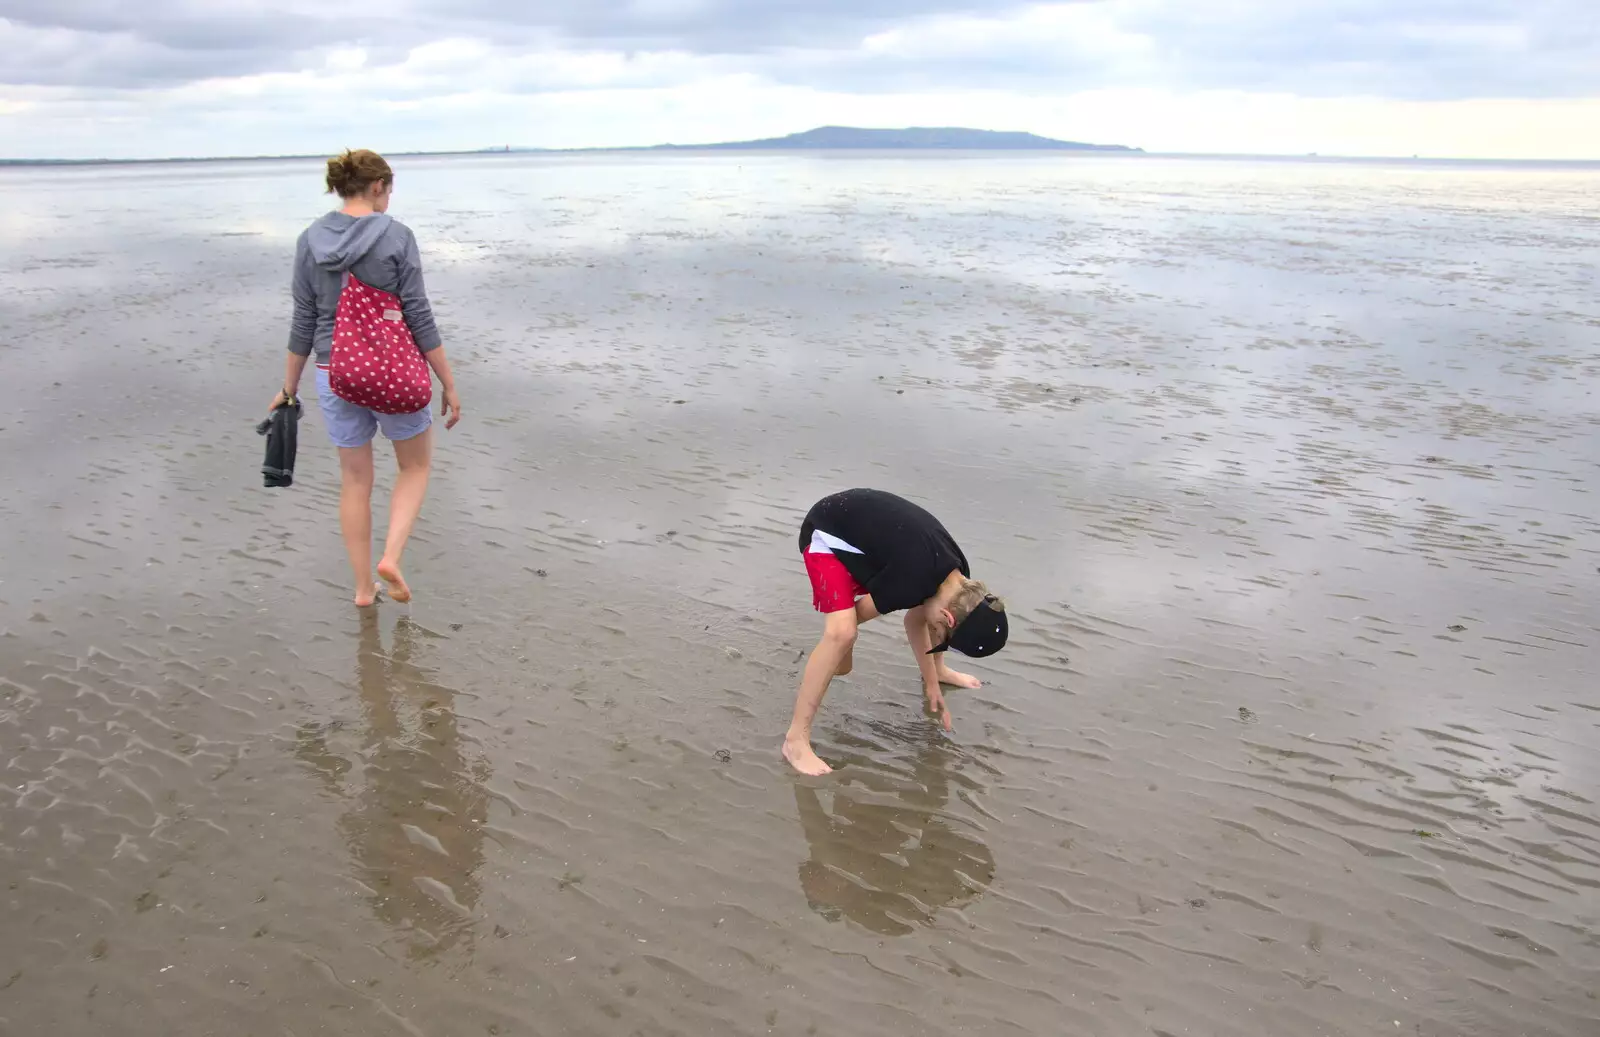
[[1287, 471]]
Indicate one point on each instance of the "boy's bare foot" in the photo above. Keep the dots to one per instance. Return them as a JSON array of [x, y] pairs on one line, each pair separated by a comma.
[[369, 598], [956, 679], [803, 758], [390, 573]]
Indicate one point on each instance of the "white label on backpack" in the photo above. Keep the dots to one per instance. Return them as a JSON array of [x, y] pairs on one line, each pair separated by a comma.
[[391, 314]]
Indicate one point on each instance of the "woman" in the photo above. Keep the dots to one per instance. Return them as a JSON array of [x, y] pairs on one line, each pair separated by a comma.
[[381, 252]]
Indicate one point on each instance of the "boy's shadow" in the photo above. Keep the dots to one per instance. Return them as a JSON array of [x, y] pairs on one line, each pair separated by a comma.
[[891, 856], [415, 824]]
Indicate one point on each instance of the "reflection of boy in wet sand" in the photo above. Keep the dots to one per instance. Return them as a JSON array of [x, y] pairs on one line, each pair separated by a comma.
[[870, 553], [890, 865]]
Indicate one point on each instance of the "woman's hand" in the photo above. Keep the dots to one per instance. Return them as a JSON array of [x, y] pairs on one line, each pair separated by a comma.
[[450, 403], [451, 408], [294, 366]]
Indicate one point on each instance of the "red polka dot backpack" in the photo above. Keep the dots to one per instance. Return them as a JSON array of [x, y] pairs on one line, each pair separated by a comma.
[[376, 363]]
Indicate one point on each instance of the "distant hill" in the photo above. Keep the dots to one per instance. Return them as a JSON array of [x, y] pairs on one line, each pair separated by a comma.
[[952, 138], [823, 138]]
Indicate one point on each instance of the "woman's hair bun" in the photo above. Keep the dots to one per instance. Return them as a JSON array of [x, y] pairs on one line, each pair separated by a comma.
[[353, 172], [338, 174]]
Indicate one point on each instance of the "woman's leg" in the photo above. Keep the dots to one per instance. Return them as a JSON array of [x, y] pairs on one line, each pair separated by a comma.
[[355, 516], [415, 458]]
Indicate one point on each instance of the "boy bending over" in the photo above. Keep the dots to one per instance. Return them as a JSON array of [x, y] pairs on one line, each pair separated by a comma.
[[870, 553]]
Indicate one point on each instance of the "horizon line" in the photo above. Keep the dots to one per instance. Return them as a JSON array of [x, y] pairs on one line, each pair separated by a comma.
[[725, 148]]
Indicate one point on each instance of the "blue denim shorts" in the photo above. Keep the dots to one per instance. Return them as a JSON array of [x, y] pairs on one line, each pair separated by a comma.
[[350, 425]]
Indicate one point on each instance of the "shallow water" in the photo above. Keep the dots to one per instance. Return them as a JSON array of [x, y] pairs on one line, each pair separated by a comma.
[[1287, 472]]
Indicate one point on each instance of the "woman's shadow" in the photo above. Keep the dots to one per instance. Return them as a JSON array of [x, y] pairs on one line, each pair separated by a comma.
[[414, 827], [890, 856]]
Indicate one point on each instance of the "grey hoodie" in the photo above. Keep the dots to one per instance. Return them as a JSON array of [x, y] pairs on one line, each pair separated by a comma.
[[378, 250]]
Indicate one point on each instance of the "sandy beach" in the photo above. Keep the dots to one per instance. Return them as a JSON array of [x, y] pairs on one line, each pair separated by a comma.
[[1287, 472]]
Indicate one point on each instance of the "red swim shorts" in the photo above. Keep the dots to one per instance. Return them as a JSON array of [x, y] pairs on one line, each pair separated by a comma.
[[833, 589]]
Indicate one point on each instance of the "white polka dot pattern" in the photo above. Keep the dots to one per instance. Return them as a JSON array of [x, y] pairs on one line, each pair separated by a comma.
[[376, 363]]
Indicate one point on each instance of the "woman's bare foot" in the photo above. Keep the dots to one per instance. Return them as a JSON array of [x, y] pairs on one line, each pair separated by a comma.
[[803, 758], [370, 598], [390, 574], [958, 680]]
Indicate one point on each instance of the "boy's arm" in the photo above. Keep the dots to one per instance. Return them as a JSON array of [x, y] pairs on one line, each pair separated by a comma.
[[921, 640]]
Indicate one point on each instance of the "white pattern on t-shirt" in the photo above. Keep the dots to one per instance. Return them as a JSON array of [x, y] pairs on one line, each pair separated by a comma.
[[826, 544]]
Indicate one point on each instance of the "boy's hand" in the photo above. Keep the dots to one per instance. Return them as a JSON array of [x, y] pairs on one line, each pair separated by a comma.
[[937, 707]]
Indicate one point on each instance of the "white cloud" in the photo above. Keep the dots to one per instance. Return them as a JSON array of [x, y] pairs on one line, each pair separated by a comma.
[[1484, 78], [345, 59]]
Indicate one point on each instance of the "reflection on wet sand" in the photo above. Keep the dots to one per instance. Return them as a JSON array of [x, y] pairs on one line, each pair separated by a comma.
[[889, 855], [415, 823]]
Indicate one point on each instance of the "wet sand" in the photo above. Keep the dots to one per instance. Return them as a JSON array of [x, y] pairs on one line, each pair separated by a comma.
[[1287, 472]]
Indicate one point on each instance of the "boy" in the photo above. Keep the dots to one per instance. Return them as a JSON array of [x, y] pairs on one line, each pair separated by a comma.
[[870, 553]]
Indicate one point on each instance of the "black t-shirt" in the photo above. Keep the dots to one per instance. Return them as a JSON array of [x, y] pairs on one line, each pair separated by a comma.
[[905, 552]]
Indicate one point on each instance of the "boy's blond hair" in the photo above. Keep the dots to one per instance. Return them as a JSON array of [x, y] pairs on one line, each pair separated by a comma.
[[967, 598]]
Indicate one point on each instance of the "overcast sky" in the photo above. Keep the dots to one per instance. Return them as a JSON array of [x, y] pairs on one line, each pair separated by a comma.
[[147, 78]]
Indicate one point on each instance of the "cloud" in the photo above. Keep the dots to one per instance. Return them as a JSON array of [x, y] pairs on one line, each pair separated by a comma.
[[1414, 49], [1433, 49], [1404, 49], [237, 64], [69, 57], [173, 41]]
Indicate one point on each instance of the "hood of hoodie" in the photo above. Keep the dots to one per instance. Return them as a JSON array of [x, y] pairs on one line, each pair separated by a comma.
[[338, 240]]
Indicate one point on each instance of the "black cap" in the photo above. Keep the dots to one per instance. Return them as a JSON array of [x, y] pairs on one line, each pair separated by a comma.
[[982, 633]]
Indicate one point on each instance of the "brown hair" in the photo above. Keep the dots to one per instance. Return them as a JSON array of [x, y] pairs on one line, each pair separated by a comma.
[[353, 172]]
